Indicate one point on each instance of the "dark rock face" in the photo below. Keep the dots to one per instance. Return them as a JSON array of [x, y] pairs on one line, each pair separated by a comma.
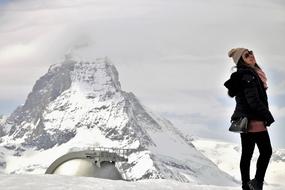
[[46, 141], [28, 119], [46, 89]]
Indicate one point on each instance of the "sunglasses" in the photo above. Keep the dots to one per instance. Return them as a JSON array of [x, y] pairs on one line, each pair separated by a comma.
[[247, 54]]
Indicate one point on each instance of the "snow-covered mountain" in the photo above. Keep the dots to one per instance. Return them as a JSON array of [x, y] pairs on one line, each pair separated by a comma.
[[81, 104]]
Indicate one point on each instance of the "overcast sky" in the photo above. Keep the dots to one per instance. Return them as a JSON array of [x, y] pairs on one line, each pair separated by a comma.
[[172, 54]]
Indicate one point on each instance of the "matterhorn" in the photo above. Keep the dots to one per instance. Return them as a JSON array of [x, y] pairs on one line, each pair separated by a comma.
[[79, 104]]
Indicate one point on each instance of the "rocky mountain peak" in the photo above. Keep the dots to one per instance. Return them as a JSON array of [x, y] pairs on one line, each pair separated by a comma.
[[70, 82]]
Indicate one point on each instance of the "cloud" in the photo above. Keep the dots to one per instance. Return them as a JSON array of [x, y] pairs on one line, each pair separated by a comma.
[[18, 50], [171, 54]]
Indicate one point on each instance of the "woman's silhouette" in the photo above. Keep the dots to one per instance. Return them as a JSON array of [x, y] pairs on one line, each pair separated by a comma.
[[248, 85]]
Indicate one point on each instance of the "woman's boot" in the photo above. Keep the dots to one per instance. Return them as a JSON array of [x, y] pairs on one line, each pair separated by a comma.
[[255, 185]]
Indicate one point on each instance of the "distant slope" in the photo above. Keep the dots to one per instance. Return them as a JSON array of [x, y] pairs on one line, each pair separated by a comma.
[[227, 156]]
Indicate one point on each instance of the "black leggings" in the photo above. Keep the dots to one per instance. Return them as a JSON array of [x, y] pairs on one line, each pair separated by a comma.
[[248, 141]]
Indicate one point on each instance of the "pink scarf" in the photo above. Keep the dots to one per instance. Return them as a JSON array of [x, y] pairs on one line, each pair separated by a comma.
[[262, 76]]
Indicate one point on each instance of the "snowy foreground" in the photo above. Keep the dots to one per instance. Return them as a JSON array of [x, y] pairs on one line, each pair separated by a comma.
[[57, 182]]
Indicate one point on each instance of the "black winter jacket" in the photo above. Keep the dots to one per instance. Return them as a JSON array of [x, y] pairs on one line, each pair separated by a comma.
[[250, 95]]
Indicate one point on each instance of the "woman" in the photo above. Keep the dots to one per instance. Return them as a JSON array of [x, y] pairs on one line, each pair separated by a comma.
[[248, 85]]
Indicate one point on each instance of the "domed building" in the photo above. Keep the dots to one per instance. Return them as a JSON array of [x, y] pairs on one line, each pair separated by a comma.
[[98, 163]]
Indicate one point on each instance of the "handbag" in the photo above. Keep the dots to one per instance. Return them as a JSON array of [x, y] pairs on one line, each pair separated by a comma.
[[239, 125]]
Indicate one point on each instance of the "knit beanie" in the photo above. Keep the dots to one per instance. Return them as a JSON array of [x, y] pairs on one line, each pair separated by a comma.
[[236, 53]]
